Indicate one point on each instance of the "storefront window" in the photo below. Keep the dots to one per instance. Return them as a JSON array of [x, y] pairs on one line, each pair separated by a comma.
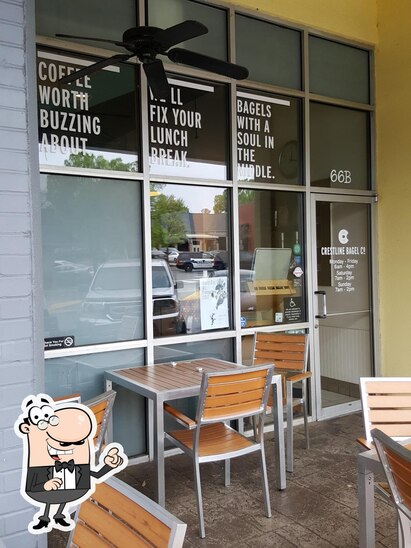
[[166, 13], [189, 133], [85, 375], [191, 259], [340, 147], [271, 53], [268, 138], [338, 70], [271, 258], [94, 18], [92, 260], [91, 123]]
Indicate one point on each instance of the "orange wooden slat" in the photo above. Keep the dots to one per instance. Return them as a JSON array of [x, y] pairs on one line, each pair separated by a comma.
[[390, 415], [86, 538], [229, 399], [271, 348], [395, 430], [99, 416], [224, 412], [99, 407], [389, 401], [110, 528], [215, 439], [388, 387], [238, 377], [278, 337], [235, 387], [137, 517]]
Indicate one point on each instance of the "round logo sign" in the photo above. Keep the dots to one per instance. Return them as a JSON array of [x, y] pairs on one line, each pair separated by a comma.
[[343, 236]]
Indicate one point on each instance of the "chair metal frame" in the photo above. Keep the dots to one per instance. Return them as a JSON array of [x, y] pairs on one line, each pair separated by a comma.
[[145, 535], [396, 462], [211, 415], [293, 368], [108, 396]]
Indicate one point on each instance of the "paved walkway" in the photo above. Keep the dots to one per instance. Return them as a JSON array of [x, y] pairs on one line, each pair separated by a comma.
[[318, 509]]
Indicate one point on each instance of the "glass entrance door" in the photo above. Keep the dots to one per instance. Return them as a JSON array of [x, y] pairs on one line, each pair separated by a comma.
[[341, 301]]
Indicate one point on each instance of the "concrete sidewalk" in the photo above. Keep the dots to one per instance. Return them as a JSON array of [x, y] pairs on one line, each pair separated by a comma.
[[318, 509]]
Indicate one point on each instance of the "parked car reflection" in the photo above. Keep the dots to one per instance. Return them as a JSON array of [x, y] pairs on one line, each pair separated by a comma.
[[114, 301]]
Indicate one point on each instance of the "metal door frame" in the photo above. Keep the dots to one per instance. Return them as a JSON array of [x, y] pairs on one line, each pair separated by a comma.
[[320, 413]]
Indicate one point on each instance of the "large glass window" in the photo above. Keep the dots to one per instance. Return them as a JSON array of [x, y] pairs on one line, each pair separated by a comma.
[[191, 258], [92, 260], [339, 70], [340, 147], [271, 258], [92, 122], [94, 18], [189, 134], [85, 375], [271, 53], [166, 13], [268, 138]]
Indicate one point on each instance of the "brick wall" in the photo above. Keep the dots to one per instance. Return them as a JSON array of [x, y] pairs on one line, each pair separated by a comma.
[[21, 361]]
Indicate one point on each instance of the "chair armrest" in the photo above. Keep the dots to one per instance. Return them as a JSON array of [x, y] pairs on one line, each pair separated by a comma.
[[299, 377], [179, 416], [365, 443]]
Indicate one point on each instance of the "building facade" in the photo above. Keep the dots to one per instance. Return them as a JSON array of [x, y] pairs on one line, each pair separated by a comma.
[[137, 229]]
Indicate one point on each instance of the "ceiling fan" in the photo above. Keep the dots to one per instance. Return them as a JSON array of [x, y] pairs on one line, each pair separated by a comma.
[[146, 43]]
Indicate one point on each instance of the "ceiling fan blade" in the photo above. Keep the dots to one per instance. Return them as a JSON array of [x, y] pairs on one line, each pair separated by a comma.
[[90, 38], [205, 62], [180, 33], [157, 79], [96, 66]]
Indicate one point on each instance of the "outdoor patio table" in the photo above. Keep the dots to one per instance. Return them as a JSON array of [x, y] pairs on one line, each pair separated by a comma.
[[175, 380], [368, 465]]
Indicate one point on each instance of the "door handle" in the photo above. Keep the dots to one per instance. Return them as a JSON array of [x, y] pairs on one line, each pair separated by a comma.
[[324, 295]]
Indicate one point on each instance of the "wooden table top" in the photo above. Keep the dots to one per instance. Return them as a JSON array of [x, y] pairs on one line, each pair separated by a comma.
[[163, 377]]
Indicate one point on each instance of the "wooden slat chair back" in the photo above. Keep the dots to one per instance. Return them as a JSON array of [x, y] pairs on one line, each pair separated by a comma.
[[386, 405], [118, 515], [223, 397], [102, 407], [396, 462], [287, 352], [289, 355], [231, 396]]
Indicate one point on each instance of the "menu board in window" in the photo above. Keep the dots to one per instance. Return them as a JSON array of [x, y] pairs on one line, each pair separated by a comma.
[[189, 131], [91, 122], [268, 138]]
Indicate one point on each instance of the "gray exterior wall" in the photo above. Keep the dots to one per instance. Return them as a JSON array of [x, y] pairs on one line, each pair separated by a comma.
[[21, 356]]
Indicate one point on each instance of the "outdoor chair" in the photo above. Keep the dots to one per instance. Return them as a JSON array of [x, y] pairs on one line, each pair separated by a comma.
[[119, 515], [226, 396], [289, 355], [396, 462], [101, 406], [386, 405]]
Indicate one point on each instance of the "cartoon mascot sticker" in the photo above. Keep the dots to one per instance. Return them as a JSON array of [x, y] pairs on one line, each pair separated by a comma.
[[58, 461]]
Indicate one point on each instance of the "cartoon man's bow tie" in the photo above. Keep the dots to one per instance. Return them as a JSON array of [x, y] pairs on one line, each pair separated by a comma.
[[65, 466]]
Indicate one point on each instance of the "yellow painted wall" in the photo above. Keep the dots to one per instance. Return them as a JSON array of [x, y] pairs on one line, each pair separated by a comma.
[[393, 100], [354, 19]]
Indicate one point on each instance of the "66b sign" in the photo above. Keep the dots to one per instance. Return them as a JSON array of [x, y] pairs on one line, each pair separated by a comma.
[[342, 176]]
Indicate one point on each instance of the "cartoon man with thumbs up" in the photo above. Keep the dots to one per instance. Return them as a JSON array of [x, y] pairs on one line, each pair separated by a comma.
[[58, 455]]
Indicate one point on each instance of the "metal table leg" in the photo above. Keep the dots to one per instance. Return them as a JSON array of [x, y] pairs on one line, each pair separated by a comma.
[[279, 432], [366, 504], [159, 449]]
